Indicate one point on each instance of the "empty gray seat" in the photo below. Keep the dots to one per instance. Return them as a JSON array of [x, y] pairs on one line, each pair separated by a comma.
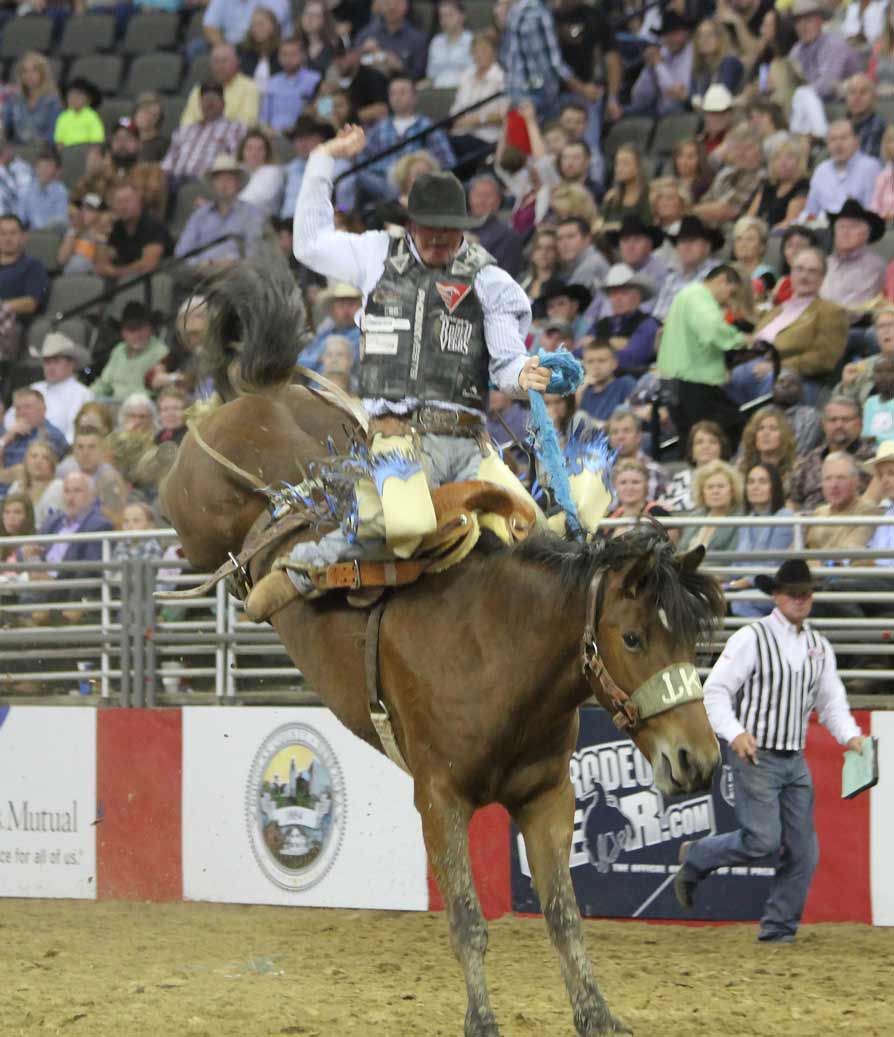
[[635, 130], [74, 162], [157, 72], [151, 32], [435, 103], [102, 70], [30, 32], [671, 130], [70, 290], [199, 70], [185, 205], [113, 109], [173, 109], [86, 34], [44, 245]]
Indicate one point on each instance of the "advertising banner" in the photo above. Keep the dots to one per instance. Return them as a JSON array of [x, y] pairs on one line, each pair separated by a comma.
[[285, 806], [627, 837], [47, 802], [881, 827]]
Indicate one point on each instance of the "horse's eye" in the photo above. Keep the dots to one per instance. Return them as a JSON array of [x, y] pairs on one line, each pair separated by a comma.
[[632, 641]]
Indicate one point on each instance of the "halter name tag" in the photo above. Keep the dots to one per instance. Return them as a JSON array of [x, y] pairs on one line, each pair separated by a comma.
[[688, 688], [673, 686]]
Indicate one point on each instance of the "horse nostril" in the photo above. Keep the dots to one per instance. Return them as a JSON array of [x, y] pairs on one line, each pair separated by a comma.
[[685, 763]]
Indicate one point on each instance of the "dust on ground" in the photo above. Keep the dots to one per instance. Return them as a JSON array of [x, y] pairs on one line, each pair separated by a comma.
[[221, 970]]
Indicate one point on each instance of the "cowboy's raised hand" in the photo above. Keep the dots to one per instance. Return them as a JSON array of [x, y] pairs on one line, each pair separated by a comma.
[[349, 141], [533, 376]]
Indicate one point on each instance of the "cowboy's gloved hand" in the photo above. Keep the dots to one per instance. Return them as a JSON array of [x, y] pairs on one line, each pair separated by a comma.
[[533, 376], [350, 141]]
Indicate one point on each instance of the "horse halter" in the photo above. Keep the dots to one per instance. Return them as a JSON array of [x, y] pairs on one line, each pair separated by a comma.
[[657, 694]]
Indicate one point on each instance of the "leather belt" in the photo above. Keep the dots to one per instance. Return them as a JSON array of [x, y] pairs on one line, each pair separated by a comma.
[[433, 420], [356, 574]]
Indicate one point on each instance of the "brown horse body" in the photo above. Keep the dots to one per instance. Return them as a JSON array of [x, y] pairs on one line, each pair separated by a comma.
[[480, 669]]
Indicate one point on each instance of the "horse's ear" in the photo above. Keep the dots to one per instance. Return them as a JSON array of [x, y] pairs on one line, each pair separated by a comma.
[[690, 561], [638, 573]]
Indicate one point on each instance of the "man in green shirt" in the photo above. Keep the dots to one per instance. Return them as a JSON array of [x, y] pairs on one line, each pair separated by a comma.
[[133, 357], [691, 355]]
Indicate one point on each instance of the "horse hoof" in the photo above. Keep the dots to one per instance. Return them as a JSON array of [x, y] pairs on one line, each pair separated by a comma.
[[607, 1026], [481, 1028]]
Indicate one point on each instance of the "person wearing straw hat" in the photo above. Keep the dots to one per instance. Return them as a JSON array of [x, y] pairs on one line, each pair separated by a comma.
[[343, 301], [825, 57], [440, 321], [226, 214], [626, 326], [718, 112], [881, 466], [759, 695], [63, 393]]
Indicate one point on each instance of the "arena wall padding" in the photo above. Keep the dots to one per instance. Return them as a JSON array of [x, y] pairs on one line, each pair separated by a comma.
[[139, 765], [840, 891], [489, 849]]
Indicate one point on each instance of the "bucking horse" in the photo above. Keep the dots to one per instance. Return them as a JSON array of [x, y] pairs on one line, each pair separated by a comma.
[[482, 668]]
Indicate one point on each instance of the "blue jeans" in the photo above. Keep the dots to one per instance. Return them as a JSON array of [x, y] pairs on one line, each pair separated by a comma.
[[774, 806]]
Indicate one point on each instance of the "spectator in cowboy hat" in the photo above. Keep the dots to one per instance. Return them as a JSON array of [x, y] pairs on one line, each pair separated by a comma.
[[306, 134], [664, 84], [635, 243], [855, 276], [694, 243], [825, 57], [136, 354], [625, 325], [63, 394], [881, 467], [79, 122], [718, 111], [566, 303], [225, 215], [343, 301]]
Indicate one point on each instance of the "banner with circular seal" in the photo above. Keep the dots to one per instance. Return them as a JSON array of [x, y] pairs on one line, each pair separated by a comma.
[[295, 807]]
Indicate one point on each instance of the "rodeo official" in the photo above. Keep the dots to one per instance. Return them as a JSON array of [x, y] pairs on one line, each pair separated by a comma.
[[759, 697], [440, 321]]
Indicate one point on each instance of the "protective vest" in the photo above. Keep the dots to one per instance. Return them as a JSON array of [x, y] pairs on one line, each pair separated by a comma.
[[423, 331]]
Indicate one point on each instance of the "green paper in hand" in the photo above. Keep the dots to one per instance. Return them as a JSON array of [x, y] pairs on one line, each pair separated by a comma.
[[860, 769]]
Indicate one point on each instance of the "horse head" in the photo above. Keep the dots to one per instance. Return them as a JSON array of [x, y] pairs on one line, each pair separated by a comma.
[[648, 608]]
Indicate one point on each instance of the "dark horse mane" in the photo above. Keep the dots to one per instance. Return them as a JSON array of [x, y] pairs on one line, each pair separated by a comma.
[[692, 600]]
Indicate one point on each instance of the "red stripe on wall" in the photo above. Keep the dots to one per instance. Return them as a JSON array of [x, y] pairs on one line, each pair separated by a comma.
[[840, 891], [139, 764], [489, 851]]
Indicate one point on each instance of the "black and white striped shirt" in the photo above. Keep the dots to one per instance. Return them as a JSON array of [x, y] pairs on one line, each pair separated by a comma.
[[769, 679]]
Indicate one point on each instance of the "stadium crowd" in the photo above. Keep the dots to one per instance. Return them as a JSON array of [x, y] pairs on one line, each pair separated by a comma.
[[695, 196]]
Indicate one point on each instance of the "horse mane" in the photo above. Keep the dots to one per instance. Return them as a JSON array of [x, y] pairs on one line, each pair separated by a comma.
[[256, 317], [692, 600]]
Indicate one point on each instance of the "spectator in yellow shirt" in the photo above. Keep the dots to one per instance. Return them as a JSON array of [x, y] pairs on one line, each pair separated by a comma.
[[79, 123], [242, 98]]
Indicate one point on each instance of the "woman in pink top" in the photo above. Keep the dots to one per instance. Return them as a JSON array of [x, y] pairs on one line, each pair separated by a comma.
[[883, 192]]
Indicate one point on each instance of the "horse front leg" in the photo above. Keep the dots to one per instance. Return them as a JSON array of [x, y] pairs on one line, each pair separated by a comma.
[[546, 823], [445, 823]]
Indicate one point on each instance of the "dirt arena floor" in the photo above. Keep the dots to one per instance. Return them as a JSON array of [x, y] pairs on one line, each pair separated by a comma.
[[205, 970]]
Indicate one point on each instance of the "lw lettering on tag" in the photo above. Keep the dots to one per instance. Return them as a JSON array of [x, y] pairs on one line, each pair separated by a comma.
[[455, 335], [379, 344], [688, 687]]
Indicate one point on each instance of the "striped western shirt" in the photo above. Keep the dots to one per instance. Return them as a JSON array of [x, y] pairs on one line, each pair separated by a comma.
[[359, 259], [769, 679]]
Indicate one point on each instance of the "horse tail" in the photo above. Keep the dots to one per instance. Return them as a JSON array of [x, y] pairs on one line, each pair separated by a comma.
[[255, 320]]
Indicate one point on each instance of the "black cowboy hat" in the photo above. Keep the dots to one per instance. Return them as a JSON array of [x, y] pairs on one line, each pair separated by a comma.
[[438, 200], [554, 289], [308, 126], [792, 576], [671, 21], [135, 315], [94, 94], [692, 227], [853, 210], [633, 225]]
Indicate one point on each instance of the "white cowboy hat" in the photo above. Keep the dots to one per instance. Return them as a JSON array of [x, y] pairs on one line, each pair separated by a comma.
[[341, 290], [885, 452], [225, 164], [802, 8], [623, 276], [717, 98], [57, 344]]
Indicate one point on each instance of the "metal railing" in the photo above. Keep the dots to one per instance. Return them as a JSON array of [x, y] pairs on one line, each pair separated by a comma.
[[97, 630]]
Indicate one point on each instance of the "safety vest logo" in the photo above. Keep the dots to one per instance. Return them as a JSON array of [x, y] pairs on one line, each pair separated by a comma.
[[295, 807], [455, 335], [452, 294]]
